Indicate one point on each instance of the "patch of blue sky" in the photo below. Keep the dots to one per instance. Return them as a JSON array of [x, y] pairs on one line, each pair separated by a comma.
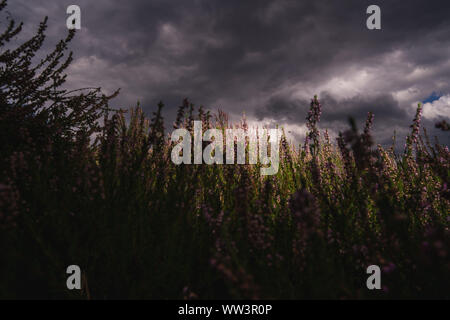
[[433, 97]]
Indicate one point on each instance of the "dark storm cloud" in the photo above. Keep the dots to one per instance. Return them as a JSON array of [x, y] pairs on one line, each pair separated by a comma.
[[336, 113], [265, 57], [333, 110], [360, 106]]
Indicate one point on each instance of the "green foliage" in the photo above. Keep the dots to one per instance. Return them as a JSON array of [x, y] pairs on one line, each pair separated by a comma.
[[141, 227]]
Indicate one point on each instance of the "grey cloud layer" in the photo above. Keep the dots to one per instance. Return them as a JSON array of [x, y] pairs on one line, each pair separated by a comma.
[[265, 57]]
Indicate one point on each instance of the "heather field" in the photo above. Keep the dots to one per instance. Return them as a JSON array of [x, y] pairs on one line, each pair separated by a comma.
[[84, 184]]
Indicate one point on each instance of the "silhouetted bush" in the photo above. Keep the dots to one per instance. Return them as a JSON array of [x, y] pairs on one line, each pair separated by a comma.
[[105, 195]]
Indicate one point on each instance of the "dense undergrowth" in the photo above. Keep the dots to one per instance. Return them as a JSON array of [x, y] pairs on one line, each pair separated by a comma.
[[81, 185]]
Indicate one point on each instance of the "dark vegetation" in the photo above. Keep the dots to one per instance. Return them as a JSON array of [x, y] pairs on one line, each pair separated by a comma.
[[81, 185]]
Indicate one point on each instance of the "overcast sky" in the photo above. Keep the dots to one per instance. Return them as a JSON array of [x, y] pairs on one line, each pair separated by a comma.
[[267, 58]]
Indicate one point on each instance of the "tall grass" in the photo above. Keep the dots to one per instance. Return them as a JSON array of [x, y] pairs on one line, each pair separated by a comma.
[[141, 227]]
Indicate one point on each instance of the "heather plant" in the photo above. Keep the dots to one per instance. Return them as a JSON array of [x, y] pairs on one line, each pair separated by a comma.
[[443, 125], [105, 195]]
